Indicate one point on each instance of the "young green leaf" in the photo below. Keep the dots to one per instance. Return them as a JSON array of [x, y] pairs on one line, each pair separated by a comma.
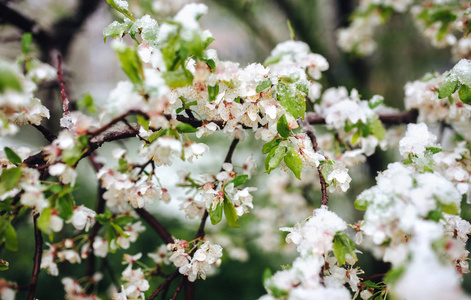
[[267, 147], [213, 91], [230, 212], [283, 127], [183, 127], [241, 179], [9, 179], [263, 85], [274, 158], [449, 86], [465, 94], [44, 219], [216, 214], [11, 239], [12, 156], [131, 64], [294, 161], [143, 121], [87, 103], [343, 245], [122, 8], [291, 99], [377, 129], [65, 205], [178, 78], [27, 45]]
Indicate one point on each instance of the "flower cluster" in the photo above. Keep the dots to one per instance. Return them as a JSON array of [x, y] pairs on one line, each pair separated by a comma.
[[195, 264]]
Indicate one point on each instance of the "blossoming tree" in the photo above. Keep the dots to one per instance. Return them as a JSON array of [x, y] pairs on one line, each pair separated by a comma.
[[177, 91]]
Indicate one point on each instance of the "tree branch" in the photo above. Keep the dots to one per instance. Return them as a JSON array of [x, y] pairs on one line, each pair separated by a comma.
[[38, 251], [310, 133], [164, 284], [152, 221]]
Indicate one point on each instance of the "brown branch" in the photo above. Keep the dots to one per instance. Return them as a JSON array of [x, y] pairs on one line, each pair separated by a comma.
[[179, 287], [310, 133], [65, 101], [152, 221], [48, 135], [38, 251], [189, 290], [164, 284]]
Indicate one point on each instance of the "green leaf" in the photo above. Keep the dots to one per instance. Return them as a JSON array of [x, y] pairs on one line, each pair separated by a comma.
[[291, 99], [121, 8], [155, 135], [143, 121], [183, 127], [263, 85], [375, 101], [216, 214], [71, 156], [370, 284], [178, 78], [83, 140], [230, 212], [87, 103], [343, 245], [241, 179], [465, 94], [274, 158], [360, 204], [11, 239], [283, 127], [123, 220], [211, 64], [377, 129], [44, 219], [434, 150], [119, 230], [111, 235], [65, 205], [267, 147], [450, 208], [393, 275], [12, 156], [267, 274], [356, 136], [3, 265], [27, 45], [9, 79], [448, 87], [122, 166], [115, 29], [294, 161], [213, 91], [9, 179], [102, 219], [131, 64]]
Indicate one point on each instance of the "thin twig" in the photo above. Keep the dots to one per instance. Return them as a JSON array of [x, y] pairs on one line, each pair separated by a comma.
[[179, 287], [310, 133], [48, 135], [65, 101], [152, 221], [38, 252], [164, 284]]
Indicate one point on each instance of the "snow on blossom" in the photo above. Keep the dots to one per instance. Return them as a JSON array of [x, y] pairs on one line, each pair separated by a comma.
[[163, 150], [317, 233], [416, 140]]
